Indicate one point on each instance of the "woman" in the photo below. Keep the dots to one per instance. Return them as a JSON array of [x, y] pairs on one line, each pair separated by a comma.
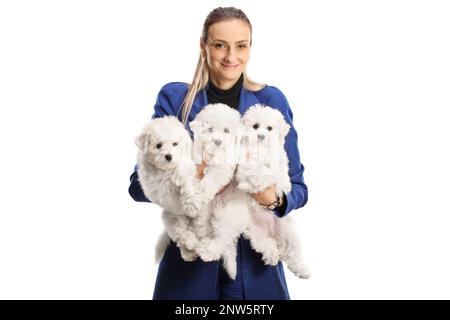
[[220, 77]]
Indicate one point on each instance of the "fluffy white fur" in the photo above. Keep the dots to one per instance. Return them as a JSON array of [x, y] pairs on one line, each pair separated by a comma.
[[206, 217], [264, 163], [167, 175], [216, 130]]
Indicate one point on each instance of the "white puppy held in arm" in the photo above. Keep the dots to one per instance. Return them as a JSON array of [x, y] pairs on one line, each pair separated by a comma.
[[167, 175], [264, 163]]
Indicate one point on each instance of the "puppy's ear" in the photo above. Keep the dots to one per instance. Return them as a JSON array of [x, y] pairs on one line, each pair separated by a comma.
[[284, 128], [142, 141], [247, 121], [187, 145], [195, 126]]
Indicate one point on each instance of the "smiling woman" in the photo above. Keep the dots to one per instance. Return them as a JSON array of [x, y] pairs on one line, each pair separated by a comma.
[[220, 77], [226, 57]]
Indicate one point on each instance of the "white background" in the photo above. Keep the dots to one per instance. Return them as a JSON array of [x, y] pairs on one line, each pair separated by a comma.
[[368, 82]]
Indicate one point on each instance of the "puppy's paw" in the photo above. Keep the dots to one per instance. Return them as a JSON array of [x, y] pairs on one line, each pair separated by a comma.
[[245, 186], [190, 210], [177, 179], [207, 253], [182, 175], [188, 255], [191, 242], [258, 183], [303, 274], [301, 271], [271, 258]]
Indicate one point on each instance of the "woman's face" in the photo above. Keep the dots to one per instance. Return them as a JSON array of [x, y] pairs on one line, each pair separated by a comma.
[[227, 51]]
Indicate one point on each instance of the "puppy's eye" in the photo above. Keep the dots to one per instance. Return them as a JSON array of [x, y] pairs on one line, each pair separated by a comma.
[[159, 145], [226, 130], [174, 144], [269, 128], [211, 129], [256, 126]]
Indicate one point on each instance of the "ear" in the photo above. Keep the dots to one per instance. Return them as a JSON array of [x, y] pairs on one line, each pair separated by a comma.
[[142, 141], [247, 121], [196, 148], [195, 126], [187, 144], [284, 129]]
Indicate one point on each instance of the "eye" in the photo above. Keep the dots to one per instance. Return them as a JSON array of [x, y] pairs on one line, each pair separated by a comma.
[[219, 45], [174, 144], [159, 145], [226, 130], [269, 128], [242, 46], [256, 126], [211, 129]]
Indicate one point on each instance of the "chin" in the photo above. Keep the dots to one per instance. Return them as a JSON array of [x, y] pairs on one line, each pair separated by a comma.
[[230, 75]]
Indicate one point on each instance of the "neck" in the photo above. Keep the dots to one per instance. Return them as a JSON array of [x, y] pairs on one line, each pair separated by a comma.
[[223, 84]]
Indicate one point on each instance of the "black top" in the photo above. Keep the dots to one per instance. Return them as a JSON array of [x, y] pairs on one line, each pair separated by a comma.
[[229, 96]]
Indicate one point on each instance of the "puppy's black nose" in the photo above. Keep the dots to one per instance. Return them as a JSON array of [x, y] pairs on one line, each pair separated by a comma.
[[168, 157], [217, 142], [261, 137]]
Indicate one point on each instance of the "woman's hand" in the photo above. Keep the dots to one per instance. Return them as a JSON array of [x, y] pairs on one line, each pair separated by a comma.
[[201, 169], [265, 197]]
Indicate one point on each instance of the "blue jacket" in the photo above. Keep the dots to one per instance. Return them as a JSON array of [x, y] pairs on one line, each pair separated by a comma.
[[178, 279]]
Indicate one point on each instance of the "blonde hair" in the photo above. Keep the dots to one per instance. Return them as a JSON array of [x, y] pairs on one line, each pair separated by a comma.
[[201, 75]]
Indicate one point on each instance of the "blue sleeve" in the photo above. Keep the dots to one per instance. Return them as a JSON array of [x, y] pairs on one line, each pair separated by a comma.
[[298, 196], [168, 102]]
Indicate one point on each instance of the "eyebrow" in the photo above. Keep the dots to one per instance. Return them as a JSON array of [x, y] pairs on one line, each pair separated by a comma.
[[227, 42]]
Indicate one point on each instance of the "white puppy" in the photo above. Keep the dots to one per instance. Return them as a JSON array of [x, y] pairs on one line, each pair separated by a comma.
[[167, 175], [264, 163], [216, 132]]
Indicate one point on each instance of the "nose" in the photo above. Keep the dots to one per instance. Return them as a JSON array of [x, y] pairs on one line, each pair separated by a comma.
[[168, 157], [261, 137], [217, 142], [230, 54]]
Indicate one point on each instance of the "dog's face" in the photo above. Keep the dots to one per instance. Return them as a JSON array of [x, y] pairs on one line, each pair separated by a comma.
[[264, 124], [264, 137], [215, 130], [164, 142]]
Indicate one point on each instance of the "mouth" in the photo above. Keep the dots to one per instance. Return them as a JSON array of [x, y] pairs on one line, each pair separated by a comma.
[[229, 66]]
